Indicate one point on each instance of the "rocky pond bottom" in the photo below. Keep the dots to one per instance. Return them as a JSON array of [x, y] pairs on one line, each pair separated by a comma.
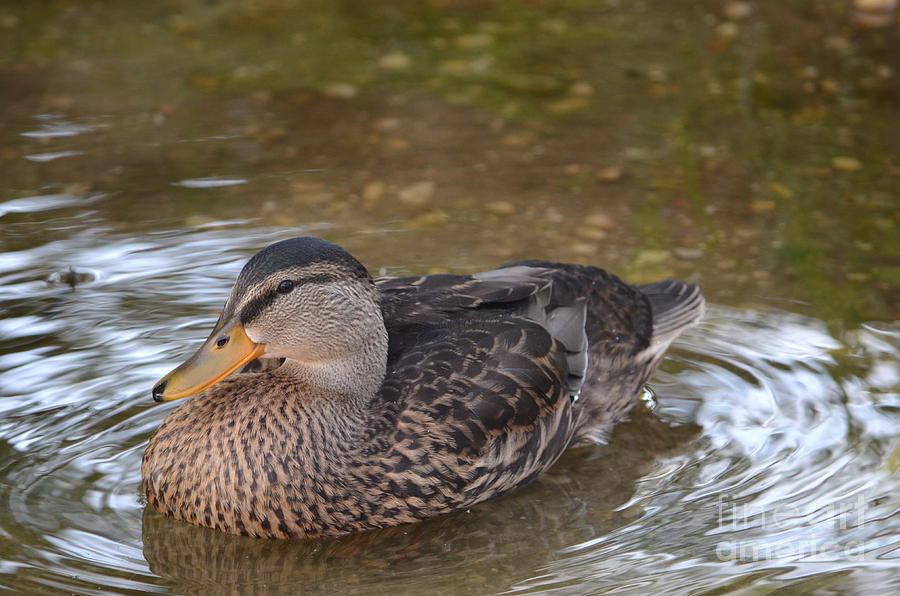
[[148, 149]]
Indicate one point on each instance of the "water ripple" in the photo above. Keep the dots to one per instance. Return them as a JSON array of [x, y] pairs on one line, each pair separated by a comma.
[[784, 479], [789, 478]]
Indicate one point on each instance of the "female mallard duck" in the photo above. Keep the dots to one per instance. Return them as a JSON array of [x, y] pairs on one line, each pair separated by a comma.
[[398, 399]]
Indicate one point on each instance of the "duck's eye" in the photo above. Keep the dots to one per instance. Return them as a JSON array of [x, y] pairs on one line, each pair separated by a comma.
[[285, 286]]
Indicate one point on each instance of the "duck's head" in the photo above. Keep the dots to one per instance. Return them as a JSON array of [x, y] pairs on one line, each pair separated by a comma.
[[303, 299]]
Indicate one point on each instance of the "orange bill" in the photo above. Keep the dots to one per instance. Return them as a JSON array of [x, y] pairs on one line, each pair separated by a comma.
[[227, 349]]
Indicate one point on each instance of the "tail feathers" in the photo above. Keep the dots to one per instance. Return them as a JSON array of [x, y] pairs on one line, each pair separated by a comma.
[[676, 305]]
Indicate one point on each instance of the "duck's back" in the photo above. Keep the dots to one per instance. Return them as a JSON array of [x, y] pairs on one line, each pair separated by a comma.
[[492, 376]]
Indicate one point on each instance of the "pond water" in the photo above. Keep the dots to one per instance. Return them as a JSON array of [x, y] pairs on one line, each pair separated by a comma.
[[147, 150]]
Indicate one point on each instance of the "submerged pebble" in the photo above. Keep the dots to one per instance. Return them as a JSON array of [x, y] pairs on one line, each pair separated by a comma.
[[567, 105], [418, 193], [474, 40], [387, 124], [373, 191], [501, 207], [609, 174], [581, 89], [737, 10], [650, 257], [600, 221], [431, 218], [589, 233], [688, 254], [584, 248], [340, 91], [728, 30], [395, 61], [846, 164], [762, 206]]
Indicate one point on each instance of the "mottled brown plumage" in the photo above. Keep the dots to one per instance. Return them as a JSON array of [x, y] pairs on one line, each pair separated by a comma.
[[403, 399]]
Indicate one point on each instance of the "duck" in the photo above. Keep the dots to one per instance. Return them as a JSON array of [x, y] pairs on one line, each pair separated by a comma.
[[327, 402]]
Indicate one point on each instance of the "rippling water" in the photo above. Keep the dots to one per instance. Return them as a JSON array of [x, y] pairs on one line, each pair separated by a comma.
[[146, 151], [770, 457]]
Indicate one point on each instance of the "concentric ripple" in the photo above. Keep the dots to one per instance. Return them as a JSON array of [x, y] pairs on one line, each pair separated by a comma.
[[771, 457], [794, 476]]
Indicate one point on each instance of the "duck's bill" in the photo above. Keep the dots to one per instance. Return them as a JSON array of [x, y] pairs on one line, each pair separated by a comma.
[[227, 349]]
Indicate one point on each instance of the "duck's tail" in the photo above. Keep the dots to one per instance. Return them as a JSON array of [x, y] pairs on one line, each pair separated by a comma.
[[616, 379], [676, 305]]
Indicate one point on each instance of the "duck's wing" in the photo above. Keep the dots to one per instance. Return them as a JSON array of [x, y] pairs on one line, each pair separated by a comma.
[[629, 329], [614, 334], [413, 304], [482, 407], [483, 370]]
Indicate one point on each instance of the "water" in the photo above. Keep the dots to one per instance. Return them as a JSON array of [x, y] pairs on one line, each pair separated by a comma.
[[767, 457]]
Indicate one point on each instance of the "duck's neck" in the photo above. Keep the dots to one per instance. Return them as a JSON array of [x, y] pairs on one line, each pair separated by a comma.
[[355, 377]]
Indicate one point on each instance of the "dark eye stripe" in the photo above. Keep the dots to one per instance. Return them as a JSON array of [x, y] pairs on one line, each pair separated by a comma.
[[255, 307]]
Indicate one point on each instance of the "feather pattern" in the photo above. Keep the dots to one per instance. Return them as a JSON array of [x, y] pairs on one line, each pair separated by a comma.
[[488, 378]]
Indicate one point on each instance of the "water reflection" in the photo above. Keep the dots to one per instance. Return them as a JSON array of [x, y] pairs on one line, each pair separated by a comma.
[[788, 482], [788, 477], [45, 203], [54, 126]]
